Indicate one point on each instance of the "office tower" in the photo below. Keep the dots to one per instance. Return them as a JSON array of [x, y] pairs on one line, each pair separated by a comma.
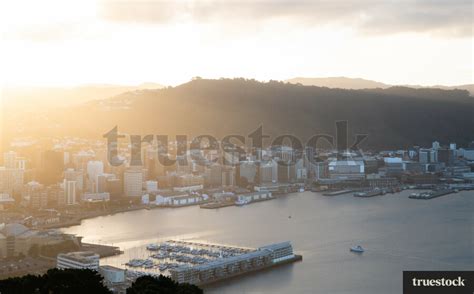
[[73, 175], [453, 146], [34, 195], [11, 180], [70, 192], [133, 182], [94, 169], [424, 155], [434, 155], [435, 145], [114, 188]]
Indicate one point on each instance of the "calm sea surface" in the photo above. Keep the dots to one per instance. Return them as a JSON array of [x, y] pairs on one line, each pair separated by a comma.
[[398, 234]]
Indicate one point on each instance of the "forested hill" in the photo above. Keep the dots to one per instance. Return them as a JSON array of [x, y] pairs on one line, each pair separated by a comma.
[[393, 117]]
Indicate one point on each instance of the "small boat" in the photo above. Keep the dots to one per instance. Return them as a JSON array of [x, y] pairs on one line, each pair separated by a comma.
[[242, 202], [153, 247], [357, 249]]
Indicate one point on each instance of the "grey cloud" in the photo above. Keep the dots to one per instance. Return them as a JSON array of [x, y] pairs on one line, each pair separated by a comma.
[[446, 17]]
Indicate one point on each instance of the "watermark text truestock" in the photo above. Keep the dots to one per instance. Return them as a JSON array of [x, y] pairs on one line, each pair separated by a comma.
[[232, 144]]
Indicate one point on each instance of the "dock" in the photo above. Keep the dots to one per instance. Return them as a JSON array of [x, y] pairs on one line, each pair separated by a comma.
[[245, 262], [339, 192], [431, 194], [369, 193], [214, 205]]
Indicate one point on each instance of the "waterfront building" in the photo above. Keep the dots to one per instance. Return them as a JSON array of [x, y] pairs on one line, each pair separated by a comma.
[[112, 274], [16, 239], [177, 199], [96, 197], [78, 260], [223, 268], [255, 196], [394, 166], [346, 169], [151, 186], [133, 183]]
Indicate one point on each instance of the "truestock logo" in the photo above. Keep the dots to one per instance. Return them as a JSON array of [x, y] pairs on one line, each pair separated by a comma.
[[231, 146], [438, 282]]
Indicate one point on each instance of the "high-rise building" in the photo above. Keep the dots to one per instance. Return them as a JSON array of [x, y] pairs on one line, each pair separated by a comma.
[[70, 192], [424, 155], [73, 175], [34, 195], [94, 169], [11, 180], [133, 182]]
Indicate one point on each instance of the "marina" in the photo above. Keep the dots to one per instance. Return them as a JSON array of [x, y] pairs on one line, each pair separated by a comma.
[[201, 263]]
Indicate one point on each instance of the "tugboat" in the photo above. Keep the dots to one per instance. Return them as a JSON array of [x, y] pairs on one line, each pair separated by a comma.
[[357, 249]]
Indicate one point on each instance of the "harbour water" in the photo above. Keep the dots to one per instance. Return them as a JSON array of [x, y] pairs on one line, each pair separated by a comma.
[[396, 232]]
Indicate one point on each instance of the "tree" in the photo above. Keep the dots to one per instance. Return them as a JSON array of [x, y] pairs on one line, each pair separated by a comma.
[[161, 285], [56, 281]]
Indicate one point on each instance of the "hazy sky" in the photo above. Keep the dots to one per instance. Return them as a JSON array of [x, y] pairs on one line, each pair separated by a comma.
[[130, 42]]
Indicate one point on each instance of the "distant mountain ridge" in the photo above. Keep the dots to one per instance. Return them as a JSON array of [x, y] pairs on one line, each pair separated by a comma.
[[339, 82], [359, 84], [52, 97]]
